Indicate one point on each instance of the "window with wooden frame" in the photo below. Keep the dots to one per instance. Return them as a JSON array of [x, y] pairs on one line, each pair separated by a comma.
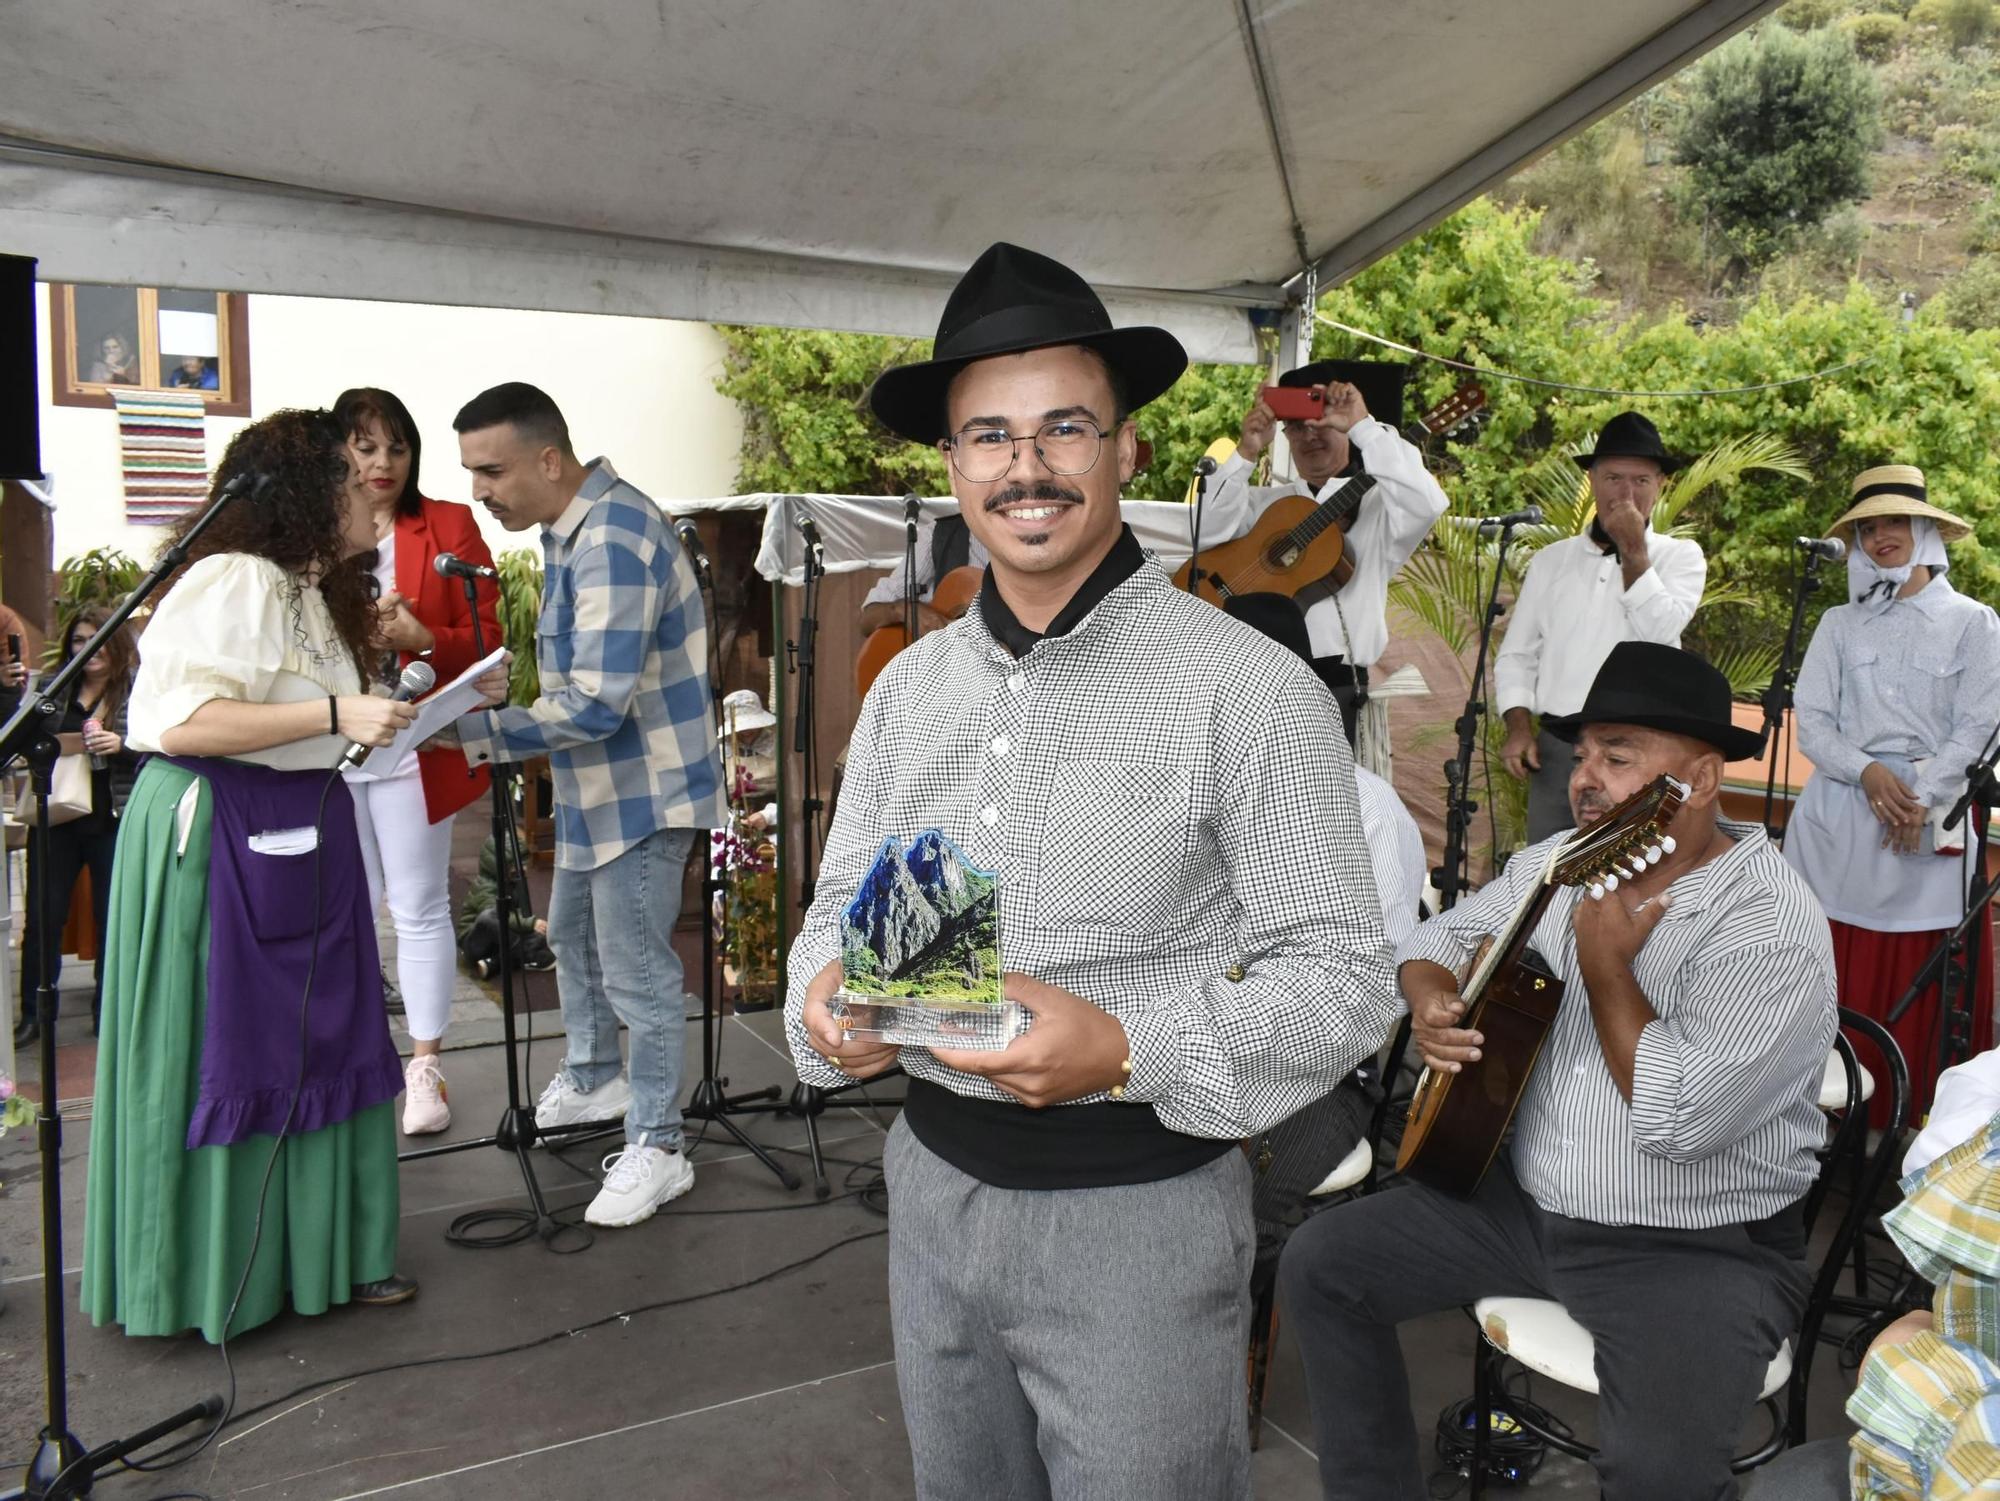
[[151, 338]]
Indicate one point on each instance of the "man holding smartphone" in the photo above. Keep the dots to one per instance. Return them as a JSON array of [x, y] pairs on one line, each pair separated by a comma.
[[1346, 425]]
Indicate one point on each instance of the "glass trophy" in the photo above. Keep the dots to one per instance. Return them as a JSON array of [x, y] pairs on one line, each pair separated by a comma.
[[920, 952]]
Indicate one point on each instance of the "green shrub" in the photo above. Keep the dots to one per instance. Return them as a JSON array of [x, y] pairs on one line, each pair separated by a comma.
[[1959, 22], [1971, 299], [1877, 35], [1809, 15]]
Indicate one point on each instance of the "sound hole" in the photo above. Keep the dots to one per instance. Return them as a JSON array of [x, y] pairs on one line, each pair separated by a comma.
[[1283, 555]]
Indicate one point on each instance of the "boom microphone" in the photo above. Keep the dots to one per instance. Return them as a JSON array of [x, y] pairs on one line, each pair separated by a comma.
[[810, 531], [1830, 548], [451, 566], [417, 679], [1526, 516], [1204, 466]]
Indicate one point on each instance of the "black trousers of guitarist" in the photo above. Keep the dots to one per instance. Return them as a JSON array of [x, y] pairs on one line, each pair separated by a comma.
[[1685, 1323]]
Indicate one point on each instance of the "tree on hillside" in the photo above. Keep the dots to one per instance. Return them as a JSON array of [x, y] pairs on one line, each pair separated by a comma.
[[1777, 133]]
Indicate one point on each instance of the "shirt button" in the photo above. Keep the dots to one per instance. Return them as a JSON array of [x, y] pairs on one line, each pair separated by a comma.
[[1567, 1143], [989, 816], [1016, 681], [1001, 745], [1579, 1071], [1235, 973]]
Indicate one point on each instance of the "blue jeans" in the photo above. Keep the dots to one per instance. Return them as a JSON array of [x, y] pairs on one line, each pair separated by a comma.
[[612, 932]]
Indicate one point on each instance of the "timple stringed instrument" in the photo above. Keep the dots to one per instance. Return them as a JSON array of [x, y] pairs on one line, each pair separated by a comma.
[[952, 597], [1457, 1121], [1296, 541]]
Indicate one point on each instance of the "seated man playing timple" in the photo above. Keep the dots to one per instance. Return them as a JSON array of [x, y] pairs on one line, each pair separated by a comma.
[[1659, 1154]]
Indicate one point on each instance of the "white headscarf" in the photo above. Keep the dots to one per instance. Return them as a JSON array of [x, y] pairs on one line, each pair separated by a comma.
[[1875, 589]]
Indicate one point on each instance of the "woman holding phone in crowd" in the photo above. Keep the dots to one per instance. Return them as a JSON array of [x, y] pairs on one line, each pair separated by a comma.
[[92, 724], [405, 818]]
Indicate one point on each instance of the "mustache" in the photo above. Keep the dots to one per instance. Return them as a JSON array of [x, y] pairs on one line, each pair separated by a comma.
[[1041, 490]]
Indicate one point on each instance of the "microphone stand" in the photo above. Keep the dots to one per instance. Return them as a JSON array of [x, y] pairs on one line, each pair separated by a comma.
[[60, 1466], [710, 1100], [517, 1132], [1201, 474], [909, 571], [1778, 696], [1452, 876]]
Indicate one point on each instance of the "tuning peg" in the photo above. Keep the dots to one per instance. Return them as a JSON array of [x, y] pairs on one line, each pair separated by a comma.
[[1667, 844], [1655, 855], [1611, 882], [1597, 891]]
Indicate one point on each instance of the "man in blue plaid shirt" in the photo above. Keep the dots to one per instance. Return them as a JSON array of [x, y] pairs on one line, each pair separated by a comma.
[[624, 717]]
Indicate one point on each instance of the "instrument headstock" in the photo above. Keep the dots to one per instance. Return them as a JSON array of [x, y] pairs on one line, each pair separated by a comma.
[[1631, 837], [1458, 414]]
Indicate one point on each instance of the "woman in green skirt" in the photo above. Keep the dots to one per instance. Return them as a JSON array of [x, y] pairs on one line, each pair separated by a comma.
[[243, 1145]]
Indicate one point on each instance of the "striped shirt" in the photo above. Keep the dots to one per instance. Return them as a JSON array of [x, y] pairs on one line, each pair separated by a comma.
[[1723, 1121], [624, 714], [1168, 798]]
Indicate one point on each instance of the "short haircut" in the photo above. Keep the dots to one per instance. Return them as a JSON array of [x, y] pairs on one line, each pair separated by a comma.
[[1121, 399], [529, 410]]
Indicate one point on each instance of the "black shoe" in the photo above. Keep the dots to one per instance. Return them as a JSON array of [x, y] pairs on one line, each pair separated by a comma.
[[27, 1032], [387, 1293]]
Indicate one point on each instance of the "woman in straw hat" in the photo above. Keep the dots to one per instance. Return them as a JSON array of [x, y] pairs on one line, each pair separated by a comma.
[[1899, 691]]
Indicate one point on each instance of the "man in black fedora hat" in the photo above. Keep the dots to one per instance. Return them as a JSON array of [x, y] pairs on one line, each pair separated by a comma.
[[1653, 1178], [1357, 432], [1622, 581], [1186, 911]]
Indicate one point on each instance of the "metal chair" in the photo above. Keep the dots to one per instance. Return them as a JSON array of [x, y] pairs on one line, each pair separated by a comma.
[[1540, 1335]]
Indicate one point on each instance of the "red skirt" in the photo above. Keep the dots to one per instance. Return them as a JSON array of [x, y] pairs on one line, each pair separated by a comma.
[[1875, 969]]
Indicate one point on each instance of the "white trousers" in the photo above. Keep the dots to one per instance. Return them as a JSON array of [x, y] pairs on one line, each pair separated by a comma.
[[408, 858]]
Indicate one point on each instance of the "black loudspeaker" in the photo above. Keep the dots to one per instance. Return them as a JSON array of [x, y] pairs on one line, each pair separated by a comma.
[[20, 402]]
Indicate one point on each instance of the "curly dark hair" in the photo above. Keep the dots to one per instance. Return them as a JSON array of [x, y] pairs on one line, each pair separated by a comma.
[[294, 515], [354, 407]]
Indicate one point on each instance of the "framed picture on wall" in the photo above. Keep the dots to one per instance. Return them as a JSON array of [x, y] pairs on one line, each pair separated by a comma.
[[151, 338]]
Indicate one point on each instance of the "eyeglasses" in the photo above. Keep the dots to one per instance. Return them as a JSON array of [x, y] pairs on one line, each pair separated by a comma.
[[1069, 445]]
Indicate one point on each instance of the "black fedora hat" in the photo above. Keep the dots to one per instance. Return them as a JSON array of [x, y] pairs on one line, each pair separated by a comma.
[[1010, 301], [1661, 688], [1631, 436], [1380, 383]]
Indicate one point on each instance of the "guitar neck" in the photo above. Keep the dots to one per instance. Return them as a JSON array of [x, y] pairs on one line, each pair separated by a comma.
[[1338, 509], [1509, 944]]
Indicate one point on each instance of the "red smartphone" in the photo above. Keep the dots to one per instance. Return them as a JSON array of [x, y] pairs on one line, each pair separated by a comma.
[[1294, 403]]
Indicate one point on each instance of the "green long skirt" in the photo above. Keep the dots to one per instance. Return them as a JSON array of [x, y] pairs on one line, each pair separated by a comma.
[[167, 1230]]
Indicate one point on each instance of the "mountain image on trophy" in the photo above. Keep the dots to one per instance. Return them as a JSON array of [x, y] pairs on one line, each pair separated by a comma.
[[920, 952]]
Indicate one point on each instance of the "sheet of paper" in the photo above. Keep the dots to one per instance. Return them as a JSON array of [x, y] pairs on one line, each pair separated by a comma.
[[458, 697]]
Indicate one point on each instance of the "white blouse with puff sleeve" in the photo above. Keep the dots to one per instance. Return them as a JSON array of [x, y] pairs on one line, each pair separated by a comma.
[[238, 626]]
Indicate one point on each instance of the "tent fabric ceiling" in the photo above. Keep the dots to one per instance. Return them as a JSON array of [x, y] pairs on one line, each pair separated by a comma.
[[668, 145]]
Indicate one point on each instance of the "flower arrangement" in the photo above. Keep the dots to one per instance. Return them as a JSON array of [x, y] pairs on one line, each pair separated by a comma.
[[15, 1109]]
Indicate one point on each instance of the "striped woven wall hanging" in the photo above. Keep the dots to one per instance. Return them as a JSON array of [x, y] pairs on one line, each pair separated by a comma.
[[163, 444]]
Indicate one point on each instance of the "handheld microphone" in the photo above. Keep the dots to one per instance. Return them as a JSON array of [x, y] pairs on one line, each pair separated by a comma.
[[691, 545], [417, 679], [451, 566], [1204, 466], [810, 531], [1830, 548], [912, 508], [1526, 516]]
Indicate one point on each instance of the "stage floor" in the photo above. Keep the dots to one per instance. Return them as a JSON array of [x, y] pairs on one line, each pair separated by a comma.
[[755, 1381]]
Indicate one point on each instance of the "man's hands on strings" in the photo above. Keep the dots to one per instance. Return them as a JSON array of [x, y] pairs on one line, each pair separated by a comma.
[[1896, 807], [1344, 408], [1436, 1008]]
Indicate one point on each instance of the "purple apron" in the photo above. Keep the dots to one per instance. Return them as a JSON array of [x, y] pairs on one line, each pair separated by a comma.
[[260, 944]]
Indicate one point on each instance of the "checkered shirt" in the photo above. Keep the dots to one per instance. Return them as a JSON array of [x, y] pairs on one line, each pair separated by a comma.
[[624, 714], [1168, 798]]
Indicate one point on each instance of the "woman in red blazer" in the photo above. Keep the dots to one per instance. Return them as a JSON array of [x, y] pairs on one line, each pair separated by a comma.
[[405, 817]]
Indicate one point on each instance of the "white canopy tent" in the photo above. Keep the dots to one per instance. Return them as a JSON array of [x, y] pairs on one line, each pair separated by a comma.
[[787, 161]]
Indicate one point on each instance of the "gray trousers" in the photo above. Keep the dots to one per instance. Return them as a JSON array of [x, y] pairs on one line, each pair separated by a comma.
[[1685, 1323], [1548, 789], [1071, 1344]]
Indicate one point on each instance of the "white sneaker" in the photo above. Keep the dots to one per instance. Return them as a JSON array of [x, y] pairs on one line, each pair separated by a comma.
[[563, 1104], [638, 1181], [424, 1107]]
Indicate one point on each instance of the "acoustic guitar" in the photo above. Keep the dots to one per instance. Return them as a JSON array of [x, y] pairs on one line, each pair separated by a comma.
[[1457, 1121], [1297, 542], [952, 597]]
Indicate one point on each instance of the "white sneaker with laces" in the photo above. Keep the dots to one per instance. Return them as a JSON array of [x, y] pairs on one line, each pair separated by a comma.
[[637, 1181], [563, 1104], [425, 1110]]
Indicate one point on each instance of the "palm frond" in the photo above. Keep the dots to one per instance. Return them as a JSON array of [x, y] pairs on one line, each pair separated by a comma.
[[1725, 464], [1748, 666]]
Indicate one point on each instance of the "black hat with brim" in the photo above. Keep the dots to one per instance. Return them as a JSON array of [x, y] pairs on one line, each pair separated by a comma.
[[1661, 688], [1631, 436], [1010, 301], [1380, 383]]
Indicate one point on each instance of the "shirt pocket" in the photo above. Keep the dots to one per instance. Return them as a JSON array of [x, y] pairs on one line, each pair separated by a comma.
[[1117, 838], [1936, 671], [555, 636]]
